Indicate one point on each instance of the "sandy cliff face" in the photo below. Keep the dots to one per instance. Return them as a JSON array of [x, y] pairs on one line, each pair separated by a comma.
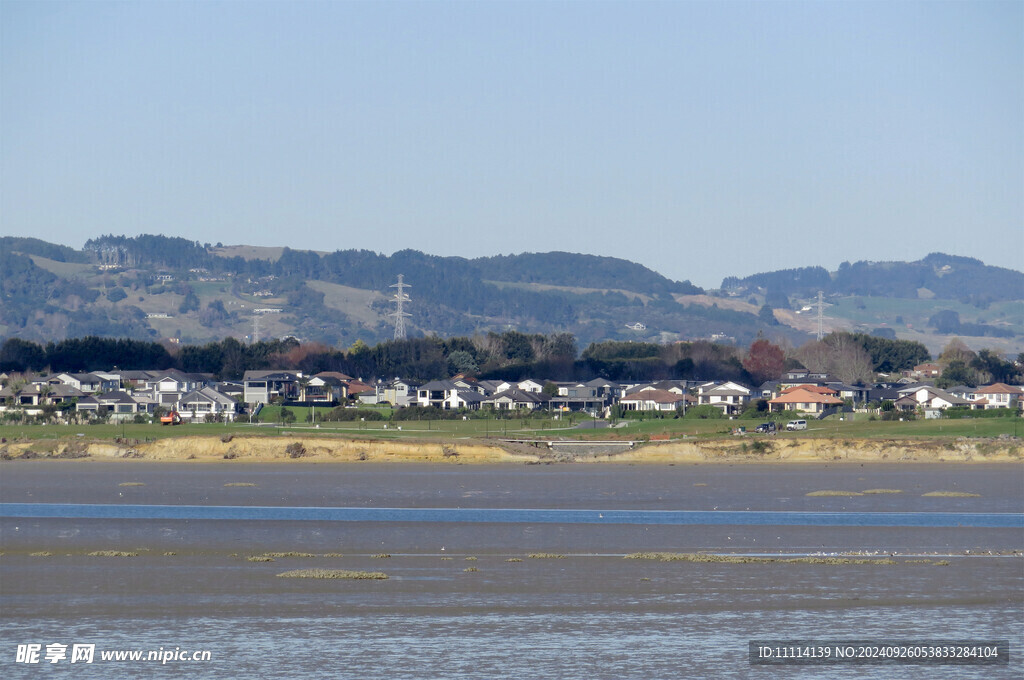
[[335, 449], [829, 450]]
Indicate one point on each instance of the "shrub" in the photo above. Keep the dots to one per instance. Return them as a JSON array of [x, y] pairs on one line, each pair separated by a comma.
[[704, 412], [342, 414]]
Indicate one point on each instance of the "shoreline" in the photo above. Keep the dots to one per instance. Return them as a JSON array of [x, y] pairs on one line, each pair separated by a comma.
[[294, 448]]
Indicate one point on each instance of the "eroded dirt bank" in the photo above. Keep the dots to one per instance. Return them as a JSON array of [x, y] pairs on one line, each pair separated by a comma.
[[303, 449]]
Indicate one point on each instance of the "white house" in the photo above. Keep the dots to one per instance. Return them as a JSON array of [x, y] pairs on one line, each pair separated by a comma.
[[651, 399], [205, 401], [729, 396], [1000, 395]]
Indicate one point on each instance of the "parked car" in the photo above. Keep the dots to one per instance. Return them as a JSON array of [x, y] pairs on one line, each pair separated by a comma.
[[767, 428], [796, 425]]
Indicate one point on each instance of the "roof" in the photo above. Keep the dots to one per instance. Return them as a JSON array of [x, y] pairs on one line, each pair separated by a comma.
[[810, 388], [935, 392], [358, 387], [115, 397], [206, 394], [269, 375], [470, 396], [804, 396], [655, 395], [999, 388], [518, 395], [334, 374], [327, 380], [439, 386]]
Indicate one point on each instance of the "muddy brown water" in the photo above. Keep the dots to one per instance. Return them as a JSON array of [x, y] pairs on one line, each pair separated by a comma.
[[592, 614]]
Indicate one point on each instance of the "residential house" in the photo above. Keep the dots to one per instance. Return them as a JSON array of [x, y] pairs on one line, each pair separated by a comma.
[[260, 387], [398, 392], [579, 396], [530, 385], [168, 387], [729, 396], [489, 387], [85, 382], [1000, 395], [651, 399], [515, 399], [928, 397], [322, 390], [206, 401], [802, 376], [925, 370], [357, 389], [805, 398], [437, 392], [463, 399], [120, 405]]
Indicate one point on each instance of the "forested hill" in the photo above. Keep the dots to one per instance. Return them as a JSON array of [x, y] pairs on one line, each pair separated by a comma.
[[586, 271], [941, 276], [151, 286]]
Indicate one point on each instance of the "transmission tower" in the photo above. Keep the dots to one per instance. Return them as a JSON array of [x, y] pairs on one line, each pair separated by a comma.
[[400, 315], [821, 317]]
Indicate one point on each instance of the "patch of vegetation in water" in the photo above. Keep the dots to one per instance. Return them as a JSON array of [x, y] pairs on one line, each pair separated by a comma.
[[112, 553], [335, 574], [952, 494], [833, 492], [132, 484], [748, 559], [873, 491], [546, 556]]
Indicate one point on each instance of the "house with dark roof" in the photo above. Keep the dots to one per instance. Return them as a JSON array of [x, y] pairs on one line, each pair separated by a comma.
[[515, 399], [580, 396], [436, 392], [463, 399], [263, 386]]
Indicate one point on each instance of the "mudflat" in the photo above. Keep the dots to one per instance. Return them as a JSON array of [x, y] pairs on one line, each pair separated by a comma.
[[504, 600]]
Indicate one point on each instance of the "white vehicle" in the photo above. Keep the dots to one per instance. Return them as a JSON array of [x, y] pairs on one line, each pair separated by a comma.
[[796, 425]]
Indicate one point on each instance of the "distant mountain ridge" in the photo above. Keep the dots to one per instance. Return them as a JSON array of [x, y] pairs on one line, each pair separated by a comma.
[[154, 286], [938, 275]]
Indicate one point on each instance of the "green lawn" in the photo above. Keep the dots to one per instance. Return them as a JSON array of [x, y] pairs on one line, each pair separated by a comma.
[[534, 428]]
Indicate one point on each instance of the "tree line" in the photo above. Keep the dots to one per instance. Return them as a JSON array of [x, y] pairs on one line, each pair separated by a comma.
[[851, 357]]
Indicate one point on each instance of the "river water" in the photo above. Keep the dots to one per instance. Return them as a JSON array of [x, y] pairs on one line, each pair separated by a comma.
[[464, 599]]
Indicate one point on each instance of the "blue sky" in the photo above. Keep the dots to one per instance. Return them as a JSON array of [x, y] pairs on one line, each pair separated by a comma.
[[701, 139]]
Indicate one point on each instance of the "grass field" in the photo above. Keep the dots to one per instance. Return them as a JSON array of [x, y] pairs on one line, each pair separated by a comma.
[[530, 428]]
